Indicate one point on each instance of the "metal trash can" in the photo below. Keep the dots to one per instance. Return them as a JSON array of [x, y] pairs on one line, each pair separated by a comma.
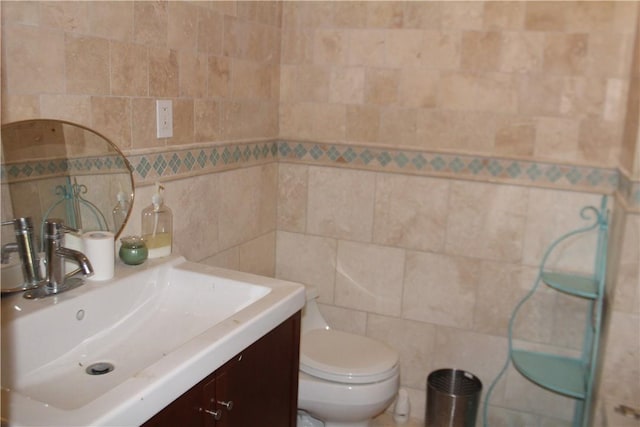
[[453, 397]]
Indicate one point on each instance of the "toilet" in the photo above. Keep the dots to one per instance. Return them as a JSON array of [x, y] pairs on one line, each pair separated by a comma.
[[344, 379]]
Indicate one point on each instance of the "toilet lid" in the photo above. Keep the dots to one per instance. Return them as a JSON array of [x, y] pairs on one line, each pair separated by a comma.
[[344, 357]]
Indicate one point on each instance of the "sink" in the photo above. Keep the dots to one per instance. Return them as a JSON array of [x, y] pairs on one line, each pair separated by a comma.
[[117, 352]]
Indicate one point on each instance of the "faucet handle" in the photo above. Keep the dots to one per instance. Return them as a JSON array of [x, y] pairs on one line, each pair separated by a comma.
[[54, 227], [20, 224]]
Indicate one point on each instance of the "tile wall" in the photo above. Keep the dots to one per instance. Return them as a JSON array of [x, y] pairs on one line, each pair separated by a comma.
[[456, 139]]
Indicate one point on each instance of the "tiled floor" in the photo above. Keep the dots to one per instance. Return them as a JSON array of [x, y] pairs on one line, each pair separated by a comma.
[[386, 420]]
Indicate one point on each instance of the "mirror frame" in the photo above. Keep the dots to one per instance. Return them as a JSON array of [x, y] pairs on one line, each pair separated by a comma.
[[113, 146]]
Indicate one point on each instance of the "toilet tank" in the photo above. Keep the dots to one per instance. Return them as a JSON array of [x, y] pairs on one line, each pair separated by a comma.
[[311, 316]]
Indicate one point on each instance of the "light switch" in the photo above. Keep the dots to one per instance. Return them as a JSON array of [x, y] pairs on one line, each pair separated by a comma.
[[164, 118]]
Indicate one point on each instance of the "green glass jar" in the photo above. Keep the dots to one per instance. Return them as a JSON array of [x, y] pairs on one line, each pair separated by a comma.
[[133, 250]]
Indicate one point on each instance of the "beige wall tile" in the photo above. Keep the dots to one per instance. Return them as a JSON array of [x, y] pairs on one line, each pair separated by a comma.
[[248, 209], [20, 12], [482, 355], [557, 138], [398, 127], [544, 225], [462, 15], [507, 15], [219, 77], [486, 221], [69, 16], [87, 65], [496, 93], [113, 117], [340, 203], [424, 15], [381, 87], [292, 197], [111, 20], [182, 121], [250, 80], [418, 88], [385, 14], [194, 201], [330, 47], [442, 49], [540, 95], [363, 123], [521, 52], [210, 31], [258, 256], [347, 85], [565, 54], [627, 287], [182, 25], [307, 259], [367, 48], [129, 69], [73, 108], [150, 23], [481, 50], [312, 84], [369, 277], [163, 73], [20, 107], [622, 355], [193, 73], [440, 289], [229, 258], [143, 128], [456, 130], [27, 53], [410, 212], [249, 119], [545, 16], [516, 139], [414, 341], [404, 48], [207, 120]]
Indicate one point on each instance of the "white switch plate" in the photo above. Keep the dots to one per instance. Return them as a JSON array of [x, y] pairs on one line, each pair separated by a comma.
[[164, 118]]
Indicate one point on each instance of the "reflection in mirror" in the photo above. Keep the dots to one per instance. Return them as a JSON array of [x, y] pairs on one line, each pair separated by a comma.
[[57, 169]]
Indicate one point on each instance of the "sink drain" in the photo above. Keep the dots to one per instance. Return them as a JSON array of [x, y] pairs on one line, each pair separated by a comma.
[[100, 368]]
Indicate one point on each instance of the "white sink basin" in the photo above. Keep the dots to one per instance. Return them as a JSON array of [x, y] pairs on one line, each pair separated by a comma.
[[163, 326]]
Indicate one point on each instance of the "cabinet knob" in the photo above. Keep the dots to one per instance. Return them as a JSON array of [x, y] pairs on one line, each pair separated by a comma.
[[217, 414], [228, 404]]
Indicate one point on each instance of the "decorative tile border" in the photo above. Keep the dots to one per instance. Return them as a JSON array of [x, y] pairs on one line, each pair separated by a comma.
[[508, 171], [181, 163], [15, 172]]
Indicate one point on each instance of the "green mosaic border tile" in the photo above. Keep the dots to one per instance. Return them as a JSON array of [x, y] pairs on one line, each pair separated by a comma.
[[14, 172], [174, 164], [451, 165], [179, 163]]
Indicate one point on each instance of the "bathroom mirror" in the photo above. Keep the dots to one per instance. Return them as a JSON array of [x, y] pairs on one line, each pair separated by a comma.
[[58, 169]]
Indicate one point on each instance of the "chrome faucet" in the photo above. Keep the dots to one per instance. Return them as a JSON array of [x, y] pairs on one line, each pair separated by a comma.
[[56, 281], [24, 245]]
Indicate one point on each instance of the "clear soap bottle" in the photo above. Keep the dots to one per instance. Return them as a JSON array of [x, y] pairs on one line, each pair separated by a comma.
[[157, 223], [120, 211]]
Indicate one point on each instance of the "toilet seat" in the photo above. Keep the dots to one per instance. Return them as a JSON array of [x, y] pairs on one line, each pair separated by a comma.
[[346, 358]]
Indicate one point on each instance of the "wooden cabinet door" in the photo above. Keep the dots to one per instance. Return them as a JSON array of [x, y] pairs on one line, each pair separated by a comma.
[[262, 382], [258, 387]]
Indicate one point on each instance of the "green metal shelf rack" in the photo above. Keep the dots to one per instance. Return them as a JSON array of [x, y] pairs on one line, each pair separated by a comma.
[[570, 376]]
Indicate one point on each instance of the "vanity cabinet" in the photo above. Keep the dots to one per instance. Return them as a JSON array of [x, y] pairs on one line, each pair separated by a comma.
[[259, 386]]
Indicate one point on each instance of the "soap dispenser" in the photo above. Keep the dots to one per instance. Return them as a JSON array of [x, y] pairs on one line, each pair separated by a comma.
[[157, 226], [120, 211]]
